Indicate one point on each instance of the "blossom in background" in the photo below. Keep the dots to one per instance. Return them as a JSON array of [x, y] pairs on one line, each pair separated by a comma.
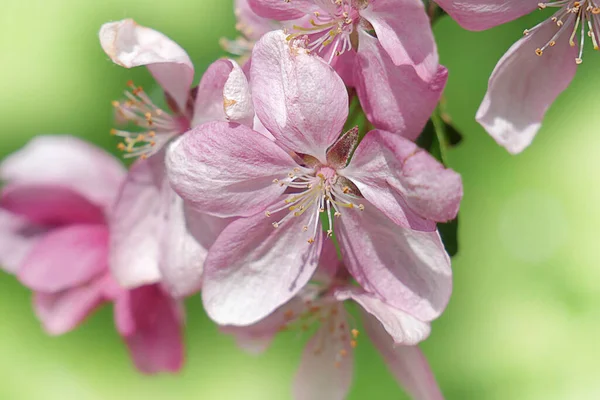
[[251, 27], [58, 197], [387, 68], [327, 363], [536, 69], [383, 203], [154, 236]]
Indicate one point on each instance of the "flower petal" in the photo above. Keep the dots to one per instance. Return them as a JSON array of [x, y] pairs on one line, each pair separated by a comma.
[[66, 258], [131, 45], [408, 269], [282, 10], [227, 169], [150, 323], [402, 327], [297, 96], [407, 363], [136, 224], [404, 31], [66, 161], [50, 205], [62, 312], [186, 237], [223, 95], [385, 163], [254, 268], [386, 91], [478, 15], [524, 85], [17, 237], [325, 372]]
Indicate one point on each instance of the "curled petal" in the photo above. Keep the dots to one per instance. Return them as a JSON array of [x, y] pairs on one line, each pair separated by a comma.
[[131, 45], [524, 85], [282, 10], [17, 237]]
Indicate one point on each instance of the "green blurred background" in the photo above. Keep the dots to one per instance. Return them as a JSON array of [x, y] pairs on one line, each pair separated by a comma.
[[523, 322]]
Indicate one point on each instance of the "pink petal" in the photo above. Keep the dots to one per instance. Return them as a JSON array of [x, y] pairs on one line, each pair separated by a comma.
[[297, 96], [407, 363], [236, 97], [17, 237], [396, 23], [66, 258], [63, 311], [515, 103], [408, 269], [282, 10], [386, 91], [254, 268], [50, 205], [150, 324], [402, 327], [227, 169], [68, 162], [387, 167], [478, 15], [131, 45], [223, 94], [324, 373], [186, 237], [136, 224]]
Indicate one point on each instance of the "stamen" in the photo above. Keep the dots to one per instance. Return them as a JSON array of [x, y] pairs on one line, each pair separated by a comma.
[[158, 127], [332, 28], [581, 17]]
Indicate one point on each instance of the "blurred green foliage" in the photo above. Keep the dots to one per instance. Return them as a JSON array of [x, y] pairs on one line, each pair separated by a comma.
[[523, 322]]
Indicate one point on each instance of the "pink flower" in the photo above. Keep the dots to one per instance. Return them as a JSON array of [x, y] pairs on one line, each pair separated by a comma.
[[536, 69], [386, 67], [326, 368], [386, 198], [58, 196], [154, 237]]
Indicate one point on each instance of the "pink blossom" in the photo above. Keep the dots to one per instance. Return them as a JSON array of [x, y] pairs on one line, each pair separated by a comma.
[[154, 237], [382, 203], [536, 69], [386, 67], [326, 368], [59, 193]]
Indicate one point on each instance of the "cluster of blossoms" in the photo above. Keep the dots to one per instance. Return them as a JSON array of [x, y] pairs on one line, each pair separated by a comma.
[[254, 189]]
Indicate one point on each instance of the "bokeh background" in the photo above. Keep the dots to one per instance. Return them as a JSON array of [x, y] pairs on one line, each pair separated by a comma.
[[523, 322]]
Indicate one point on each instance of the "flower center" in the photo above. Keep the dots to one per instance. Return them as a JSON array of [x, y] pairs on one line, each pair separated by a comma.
[[583, 16], [334, 27], [316, 191], [158, 126]]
